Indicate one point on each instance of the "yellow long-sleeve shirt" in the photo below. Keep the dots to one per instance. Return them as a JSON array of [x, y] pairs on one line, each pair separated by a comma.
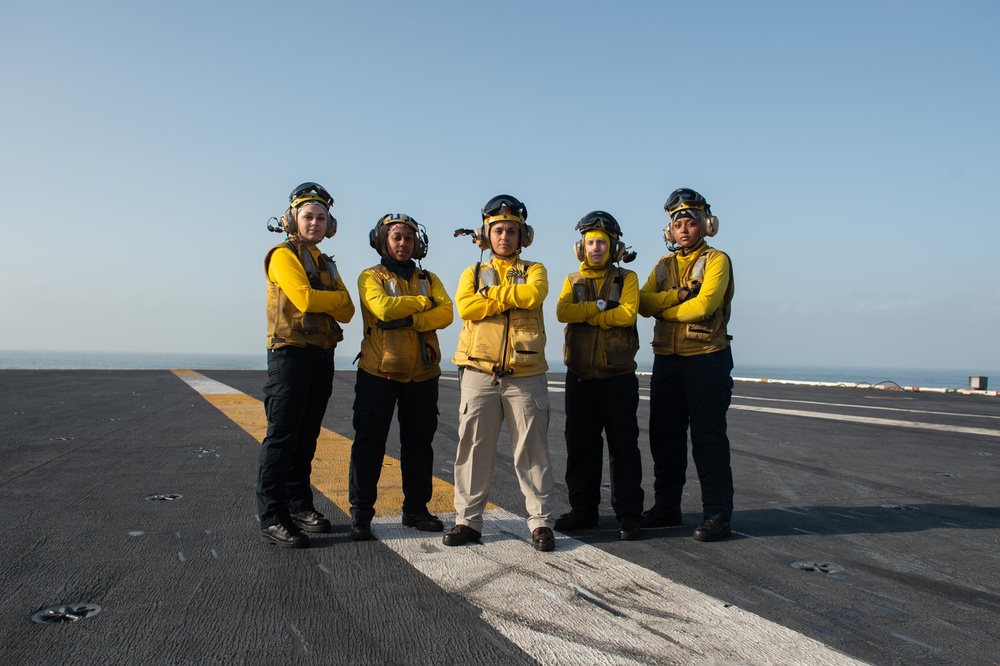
[[587, 312], [473, 306], [666, 304], [514, 342], [699, 324], [426, 316], [286, 272]]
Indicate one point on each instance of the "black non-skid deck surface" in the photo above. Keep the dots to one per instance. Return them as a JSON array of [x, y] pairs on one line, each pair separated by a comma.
[[903, 524]]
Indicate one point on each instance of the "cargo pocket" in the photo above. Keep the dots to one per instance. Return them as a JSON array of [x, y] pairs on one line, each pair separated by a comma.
[[617, 348], [394, 359], [706, 329]]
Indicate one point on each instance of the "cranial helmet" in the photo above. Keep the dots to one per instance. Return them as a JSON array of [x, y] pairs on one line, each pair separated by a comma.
[[505, 208], [377, 236], [686, 199], [303, 194]]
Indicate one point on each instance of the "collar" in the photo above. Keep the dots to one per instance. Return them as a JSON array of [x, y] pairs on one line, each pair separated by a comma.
[[404, 270]]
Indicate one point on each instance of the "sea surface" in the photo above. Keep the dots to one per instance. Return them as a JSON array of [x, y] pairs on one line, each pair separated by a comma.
[[52, 360]]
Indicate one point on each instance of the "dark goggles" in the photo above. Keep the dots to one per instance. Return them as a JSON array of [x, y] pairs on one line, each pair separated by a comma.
[[600, 221], [312, 192], [505, 204], [684, 198]]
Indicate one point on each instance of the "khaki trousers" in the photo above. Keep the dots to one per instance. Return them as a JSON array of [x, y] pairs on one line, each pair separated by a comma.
[[523, 403]]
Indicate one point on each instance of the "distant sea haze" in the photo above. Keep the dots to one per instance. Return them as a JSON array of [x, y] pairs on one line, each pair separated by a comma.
[[35, 360]]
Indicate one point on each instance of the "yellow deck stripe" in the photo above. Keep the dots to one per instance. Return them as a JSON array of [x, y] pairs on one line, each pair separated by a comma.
[[333, 454]]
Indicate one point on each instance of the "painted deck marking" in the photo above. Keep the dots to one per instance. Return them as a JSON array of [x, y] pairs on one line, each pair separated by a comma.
[[869, 420], [577, 605], [987, 432], [331, 464]]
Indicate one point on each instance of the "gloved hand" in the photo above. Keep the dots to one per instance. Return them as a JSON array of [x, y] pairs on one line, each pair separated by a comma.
[[405, 322]]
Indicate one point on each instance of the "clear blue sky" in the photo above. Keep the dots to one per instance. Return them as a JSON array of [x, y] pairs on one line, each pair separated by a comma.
[[851, 151]]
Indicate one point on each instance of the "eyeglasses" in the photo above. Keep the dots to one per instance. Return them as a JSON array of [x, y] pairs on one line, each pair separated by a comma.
[[601, 221], [684, 198], [310, 192]]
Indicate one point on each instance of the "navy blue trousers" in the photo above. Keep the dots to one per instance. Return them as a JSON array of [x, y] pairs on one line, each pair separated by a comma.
[[608, 405], [299, 384], [695, 392], [375, 399]]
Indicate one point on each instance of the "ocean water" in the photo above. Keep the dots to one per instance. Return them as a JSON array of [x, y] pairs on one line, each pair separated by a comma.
[[52, 360]]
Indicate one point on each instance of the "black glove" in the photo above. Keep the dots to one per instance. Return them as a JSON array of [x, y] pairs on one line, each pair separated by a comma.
[[611, 305], [405, 322]]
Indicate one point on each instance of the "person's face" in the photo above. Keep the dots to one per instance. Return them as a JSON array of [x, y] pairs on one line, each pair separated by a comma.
[[311, 221], [597, 249], [399, 243], [503, 238], [687, 232]]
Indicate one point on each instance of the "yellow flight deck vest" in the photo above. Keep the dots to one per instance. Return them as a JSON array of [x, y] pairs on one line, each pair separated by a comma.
[[511, 342], [286, 324], [592, 352], [400, 354], [700, 337]]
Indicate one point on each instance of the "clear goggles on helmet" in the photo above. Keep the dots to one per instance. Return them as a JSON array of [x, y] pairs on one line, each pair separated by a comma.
[[310, 192], [505, 205], [684, 199], [599, 221]]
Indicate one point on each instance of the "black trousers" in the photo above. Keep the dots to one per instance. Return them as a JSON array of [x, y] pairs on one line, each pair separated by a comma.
[[593, 405], [299, 384], [375, 399], [691, 391]]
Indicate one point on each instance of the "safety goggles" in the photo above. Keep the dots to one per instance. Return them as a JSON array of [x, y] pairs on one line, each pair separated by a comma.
[[599, 221], [684, 198], [310, 192], [504, 205]]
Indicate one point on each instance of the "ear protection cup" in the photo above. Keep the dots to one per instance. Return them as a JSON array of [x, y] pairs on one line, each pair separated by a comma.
[[287, 222], [711, 226], [581, 254]]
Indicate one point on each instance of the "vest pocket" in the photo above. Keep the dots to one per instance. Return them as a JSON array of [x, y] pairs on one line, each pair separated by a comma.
[[706, 329], [617, 348], [394, 358], [527, 337], [323, 326]]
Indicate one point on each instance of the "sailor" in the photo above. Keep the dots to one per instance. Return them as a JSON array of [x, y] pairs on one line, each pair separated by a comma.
[[402, 306], [305, 301], [599, 304], [689, 294], [501, 360]]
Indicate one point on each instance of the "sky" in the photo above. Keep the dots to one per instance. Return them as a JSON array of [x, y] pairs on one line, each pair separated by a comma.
[[850, 150]]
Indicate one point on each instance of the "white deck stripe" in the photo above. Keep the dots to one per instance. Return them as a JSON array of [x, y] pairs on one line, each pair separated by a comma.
[[581, 605], [875, 407], [206, 386], [871, 421]]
